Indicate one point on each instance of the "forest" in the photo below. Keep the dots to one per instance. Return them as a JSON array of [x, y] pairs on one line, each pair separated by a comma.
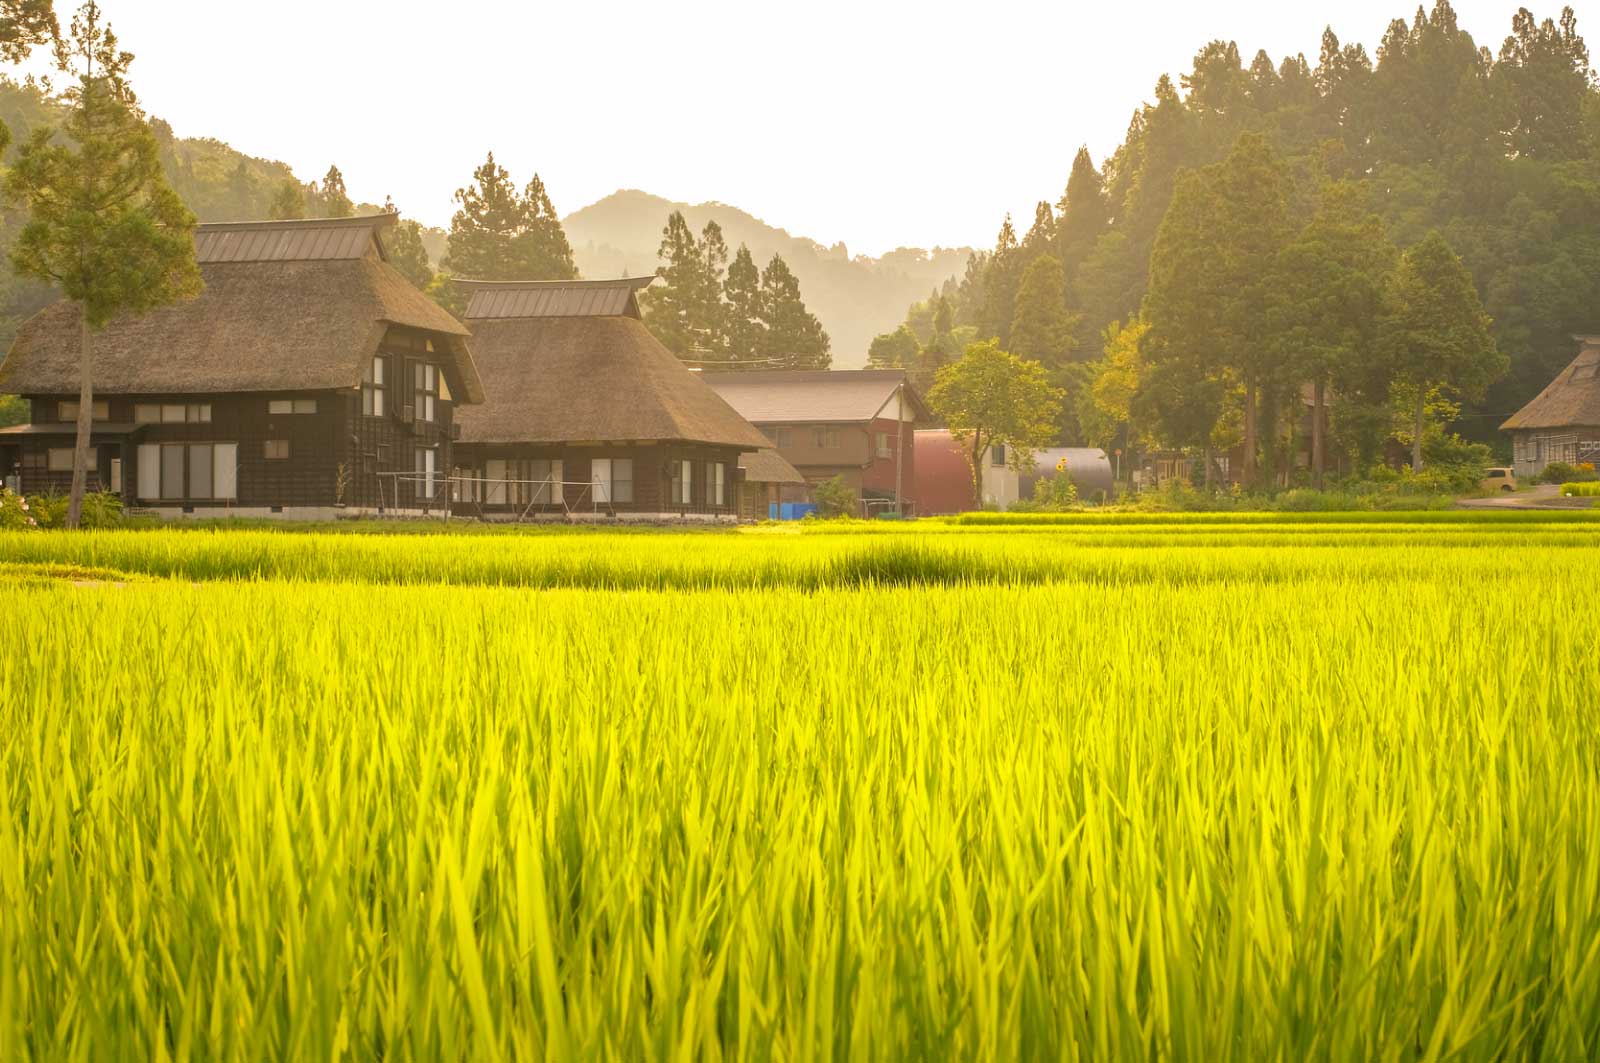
[[1492, 154]]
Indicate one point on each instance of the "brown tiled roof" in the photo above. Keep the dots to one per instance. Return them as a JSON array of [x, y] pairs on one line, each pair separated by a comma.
[[1571, 400], [275, 324], [781, 396], [592, 378], [769, 467]]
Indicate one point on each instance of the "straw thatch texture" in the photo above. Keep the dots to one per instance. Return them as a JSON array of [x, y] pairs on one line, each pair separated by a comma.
[[1571, 401]]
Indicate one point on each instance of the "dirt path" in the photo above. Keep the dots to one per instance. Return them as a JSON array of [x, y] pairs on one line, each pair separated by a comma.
[[1544, 496]]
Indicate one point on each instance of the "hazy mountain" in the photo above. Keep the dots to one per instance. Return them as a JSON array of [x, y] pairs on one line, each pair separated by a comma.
[[856, 298]]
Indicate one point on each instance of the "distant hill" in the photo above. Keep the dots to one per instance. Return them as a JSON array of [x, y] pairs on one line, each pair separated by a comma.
[[856, 298]]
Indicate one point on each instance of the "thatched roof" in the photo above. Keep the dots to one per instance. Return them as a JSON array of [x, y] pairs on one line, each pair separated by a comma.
[[1572, 399], [769, 467], [287, 306], [842, 396], [592, 378]]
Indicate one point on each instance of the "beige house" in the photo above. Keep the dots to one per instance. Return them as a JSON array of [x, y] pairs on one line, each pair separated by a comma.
[[1563, 422]]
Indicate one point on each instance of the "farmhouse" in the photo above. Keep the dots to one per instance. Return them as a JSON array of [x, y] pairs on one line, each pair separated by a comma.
[[588, 414], [1563, 422], [856, 424], [308, 376]]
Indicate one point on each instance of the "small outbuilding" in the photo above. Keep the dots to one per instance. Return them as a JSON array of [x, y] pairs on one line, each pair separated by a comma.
[[1563, 422], [944, 477]]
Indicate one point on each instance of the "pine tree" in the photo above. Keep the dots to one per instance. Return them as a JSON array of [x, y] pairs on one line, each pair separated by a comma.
[[710, 313], [332, 201], [103, 225], [23, 24], [542, 250], [795, 339], [745, 326], [484, 232], [1041, 327], [1041, 238], [1083, 214], [669, 307], [1001, 276]]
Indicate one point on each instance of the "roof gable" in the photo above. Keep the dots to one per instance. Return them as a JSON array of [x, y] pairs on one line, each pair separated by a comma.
[[1571, 400], [492, 300], [306, 240]]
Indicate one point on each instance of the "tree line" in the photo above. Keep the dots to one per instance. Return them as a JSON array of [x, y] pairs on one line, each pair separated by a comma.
[[1434, 154]]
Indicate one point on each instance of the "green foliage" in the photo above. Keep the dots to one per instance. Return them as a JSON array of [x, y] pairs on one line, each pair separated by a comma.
[[499, 234], [288, 202], [794, 338], [406, 250], [13, 410], [330, 199], [835, 499], [686, 310], [1560, 472], [991, 398], [101, 509], [1041, 327], [894, 350], [744, 314], [24, 24], [16, 512], [1581, 489]]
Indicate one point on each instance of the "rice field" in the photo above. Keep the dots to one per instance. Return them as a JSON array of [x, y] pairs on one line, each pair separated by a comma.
[[1187, 789]]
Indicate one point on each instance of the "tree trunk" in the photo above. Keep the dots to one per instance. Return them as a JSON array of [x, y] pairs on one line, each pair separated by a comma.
[[1206, 457], [1416, 439], [80, 450], [1319, 443], [977, 470], [1247, 468]]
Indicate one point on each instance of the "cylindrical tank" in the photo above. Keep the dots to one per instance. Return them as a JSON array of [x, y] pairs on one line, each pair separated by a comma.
[[1089, 468]]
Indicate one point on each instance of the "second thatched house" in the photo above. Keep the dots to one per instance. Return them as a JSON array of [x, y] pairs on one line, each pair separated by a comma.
[[1563, 422], [588, 414], [308, 378]]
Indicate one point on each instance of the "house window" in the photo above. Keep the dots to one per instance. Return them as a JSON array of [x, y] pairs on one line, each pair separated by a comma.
[[716, 487], [780, 437], [826, 438], [189, 471], [884, 449], [275, 449], [373, 386], [172, 413], [613, 480], [997, 455], [67, 412], [60, 459], [277, 407], [682, 492], [427, 457], [426, 390]]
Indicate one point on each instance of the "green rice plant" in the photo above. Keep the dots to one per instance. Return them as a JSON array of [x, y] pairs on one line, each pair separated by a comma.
[[1585, 489], [1198, 791]]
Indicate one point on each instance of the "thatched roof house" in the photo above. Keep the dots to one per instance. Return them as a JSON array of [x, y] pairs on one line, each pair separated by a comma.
[[580, 392], [298, 306], [308, 375], [1562, 423]]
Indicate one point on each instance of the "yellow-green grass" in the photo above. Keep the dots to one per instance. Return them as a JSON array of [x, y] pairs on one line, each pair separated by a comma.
[[1590, 489], [1169, 792]]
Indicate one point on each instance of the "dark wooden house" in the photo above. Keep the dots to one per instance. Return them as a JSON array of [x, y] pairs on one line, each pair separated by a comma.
[[309, 378], [587, 414], [1563, 422]]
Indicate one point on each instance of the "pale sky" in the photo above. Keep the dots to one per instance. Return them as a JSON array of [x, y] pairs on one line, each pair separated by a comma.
[[881, 124]]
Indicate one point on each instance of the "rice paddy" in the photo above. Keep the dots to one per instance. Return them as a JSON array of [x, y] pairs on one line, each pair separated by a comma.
[[1184, 789]]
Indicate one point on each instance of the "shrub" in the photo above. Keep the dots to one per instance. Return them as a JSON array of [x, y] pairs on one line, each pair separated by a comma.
[[1559, 472], [835, 499], [15, 512], [101, 509], [1057, 494]]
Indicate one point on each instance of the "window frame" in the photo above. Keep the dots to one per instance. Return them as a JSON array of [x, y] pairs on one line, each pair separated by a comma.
[[99, 410], [375, 387], [50, 459], [291, 407], [268, 445], [425, 391]]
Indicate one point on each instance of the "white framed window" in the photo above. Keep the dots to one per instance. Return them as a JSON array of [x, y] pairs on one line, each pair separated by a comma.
[[146, 413], [59, 459], [425, 390], [682, 492], [174, 471], [275, 449], [826, 438], [716, 484], [374, 385], [613, 480], [99, 410], [176, 413], [426, 467], [884, 449], [280, 407], [780, 437]]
